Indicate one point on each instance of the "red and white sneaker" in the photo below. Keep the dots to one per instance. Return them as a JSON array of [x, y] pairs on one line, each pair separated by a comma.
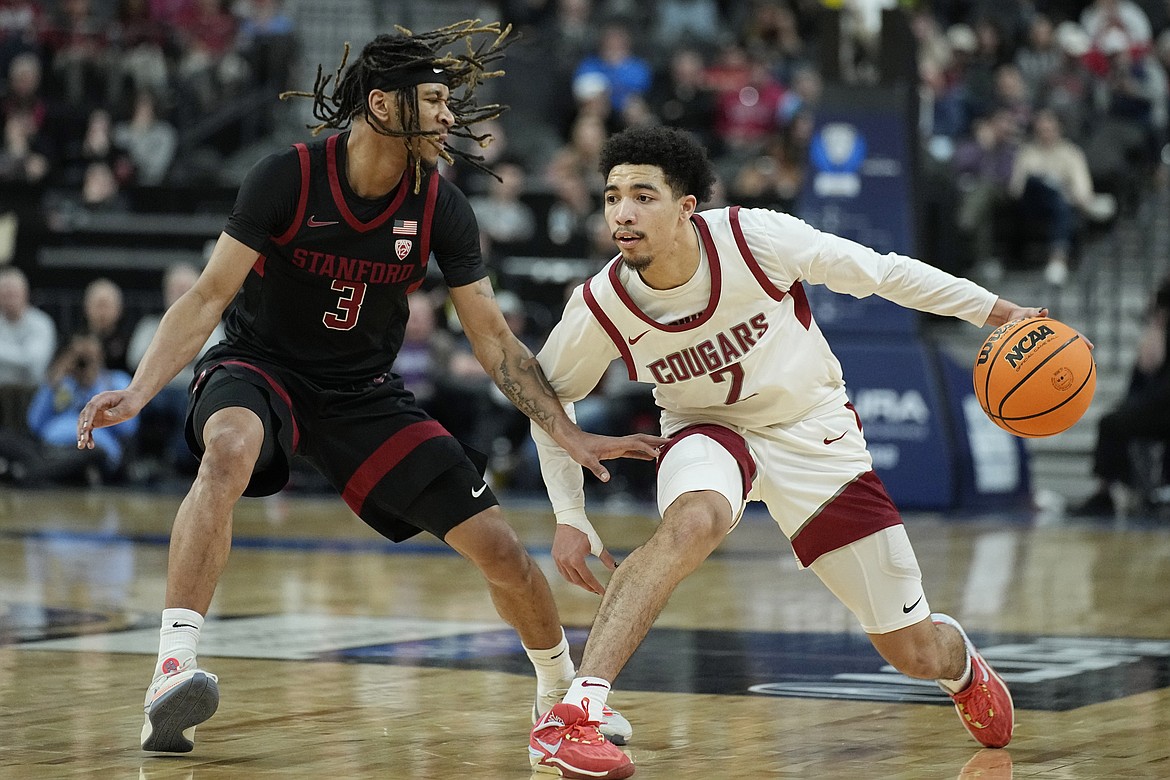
[[985, 706], [565, 742], [178, 700], [613, 727]]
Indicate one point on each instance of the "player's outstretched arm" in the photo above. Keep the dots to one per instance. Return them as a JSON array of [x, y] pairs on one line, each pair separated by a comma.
[[183, 331], [518, 374]]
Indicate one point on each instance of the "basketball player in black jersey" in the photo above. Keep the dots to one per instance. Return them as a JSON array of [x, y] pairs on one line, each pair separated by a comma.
[[324, 244]]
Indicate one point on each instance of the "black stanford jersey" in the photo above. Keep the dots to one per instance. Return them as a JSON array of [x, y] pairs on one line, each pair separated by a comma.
[[327, 296]]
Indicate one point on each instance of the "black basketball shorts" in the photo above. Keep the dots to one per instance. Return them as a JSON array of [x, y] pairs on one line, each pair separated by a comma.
[[397, 468]]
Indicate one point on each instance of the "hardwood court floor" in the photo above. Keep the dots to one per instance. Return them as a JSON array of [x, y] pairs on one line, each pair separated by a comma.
[[341, 656]]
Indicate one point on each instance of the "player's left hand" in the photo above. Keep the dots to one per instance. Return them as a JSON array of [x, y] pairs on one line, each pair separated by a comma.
[[570, 552], [589, 449], [1004, 311]]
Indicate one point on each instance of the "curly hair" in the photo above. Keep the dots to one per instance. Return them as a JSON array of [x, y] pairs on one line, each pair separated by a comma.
[[398, 63], [682, 159]]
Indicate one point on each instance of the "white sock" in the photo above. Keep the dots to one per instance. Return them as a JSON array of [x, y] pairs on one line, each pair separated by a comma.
[[177, 639], [954, 686], [553, 666], [589, 693]]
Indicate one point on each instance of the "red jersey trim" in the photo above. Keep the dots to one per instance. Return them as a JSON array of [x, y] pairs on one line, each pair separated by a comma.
[[861, 509], [606, 323], [302, 200], [388, 455], [339, 195], [728, 440], [276, 388], [799, 299], [716, 286], [258, 266], [425, 239]]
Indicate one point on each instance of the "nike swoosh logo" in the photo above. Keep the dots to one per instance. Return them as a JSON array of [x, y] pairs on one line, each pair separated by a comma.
[[314, 223], [476, 493], [553, 748], [830, 441], [636, 339], [908, 609], [183, 625], [594, 685]]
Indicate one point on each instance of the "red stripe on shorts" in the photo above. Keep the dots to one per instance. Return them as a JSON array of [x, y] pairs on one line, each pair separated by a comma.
[[276, 388], [388, 455], [861, 509], [728, 440]]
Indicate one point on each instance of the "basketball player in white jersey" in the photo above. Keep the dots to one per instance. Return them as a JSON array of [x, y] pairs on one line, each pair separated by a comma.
[[710, 308]]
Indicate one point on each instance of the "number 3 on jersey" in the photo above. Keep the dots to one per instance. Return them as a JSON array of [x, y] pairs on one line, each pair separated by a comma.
[[349, 305]]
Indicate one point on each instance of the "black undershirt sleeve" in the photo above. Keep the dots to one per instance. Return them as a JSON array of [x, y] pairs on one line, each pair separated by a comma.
[[455, 237], [267, 201]]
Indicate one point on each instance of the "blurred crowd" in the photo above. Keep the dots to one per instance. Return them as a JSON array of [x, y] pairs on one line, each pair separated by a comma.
[[1038, 122]]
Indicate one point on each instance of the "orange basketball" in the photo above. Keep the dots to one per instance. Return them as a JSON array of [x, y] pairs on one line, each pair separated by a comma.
[[1035, 377]]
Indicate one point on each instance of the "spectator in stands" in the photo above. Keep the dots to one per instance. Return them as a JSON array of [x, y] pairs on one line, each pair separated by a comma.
[[803, 95], [19, 22], [150, 140], [209, 62], [1012, 95], [1051, 182], [1142, 416], [137, 42], [77, 373], [774, 178], [1040, 56], [983, 165], [97, 145], [681, 98], [746, 115], [686, 23], [626, 73], [506, 223], [27, 153], [161, 434], [77, 47], [570, 174], [1125, 16], [1130, 102], [104, 319], [24, 158], [28, 336], [952, 103], [1068, 91], [771, 33], [267, 39]]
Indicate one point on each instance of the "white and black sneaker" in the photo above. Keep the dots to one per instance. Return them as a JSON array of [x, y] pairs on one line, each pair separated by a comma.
[[178, 700]]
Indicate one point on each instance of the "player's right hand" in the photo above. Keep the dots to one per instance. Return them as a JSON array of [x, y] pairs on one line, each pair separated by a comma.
[[570, 551], [104, 409]]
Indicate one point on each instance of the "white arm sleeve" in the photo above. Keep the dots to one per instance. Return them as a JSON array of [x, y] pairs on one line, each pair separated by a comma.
[[789, 250], [574, 358]]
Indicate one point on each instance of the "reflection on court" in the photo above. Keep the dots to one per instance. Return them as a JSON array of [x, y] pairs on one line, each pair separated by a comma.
[[340, 654]]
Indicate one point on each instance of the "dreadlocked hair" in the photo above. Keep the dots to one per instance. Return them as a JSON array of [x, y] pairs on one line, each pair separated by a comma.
[[390, 56]]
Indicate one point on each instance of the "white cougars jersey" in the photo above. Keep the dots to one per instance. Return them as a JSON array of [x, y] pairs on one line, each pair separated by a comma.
[[751, 356], [737, 344]]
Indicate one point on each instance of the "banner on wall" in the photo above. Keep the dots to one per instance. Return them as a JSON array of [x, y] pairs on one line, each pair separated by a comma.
[[860, 185]]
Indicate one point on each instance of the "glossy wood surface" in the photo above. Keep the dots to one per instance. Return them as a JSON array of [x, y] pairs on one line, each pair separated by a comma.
[[92, 564]]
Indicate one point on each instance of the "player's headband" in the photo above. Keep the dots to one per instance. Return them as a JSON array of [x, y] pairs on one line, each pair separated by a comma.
[[411, 76]]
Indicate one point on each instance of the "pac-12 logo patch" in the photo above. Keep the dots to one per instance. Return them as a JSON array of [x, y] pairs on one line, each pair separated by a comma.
[[402, 247]]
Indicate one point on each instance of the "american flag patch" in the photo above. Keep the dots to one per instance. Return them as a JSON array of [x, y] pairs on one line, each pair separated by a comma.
[[405, 227]]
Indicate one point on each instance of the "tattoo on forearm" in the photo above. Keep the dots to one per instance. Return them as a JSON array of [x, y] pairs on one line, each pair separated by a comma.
[[528, 388]]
